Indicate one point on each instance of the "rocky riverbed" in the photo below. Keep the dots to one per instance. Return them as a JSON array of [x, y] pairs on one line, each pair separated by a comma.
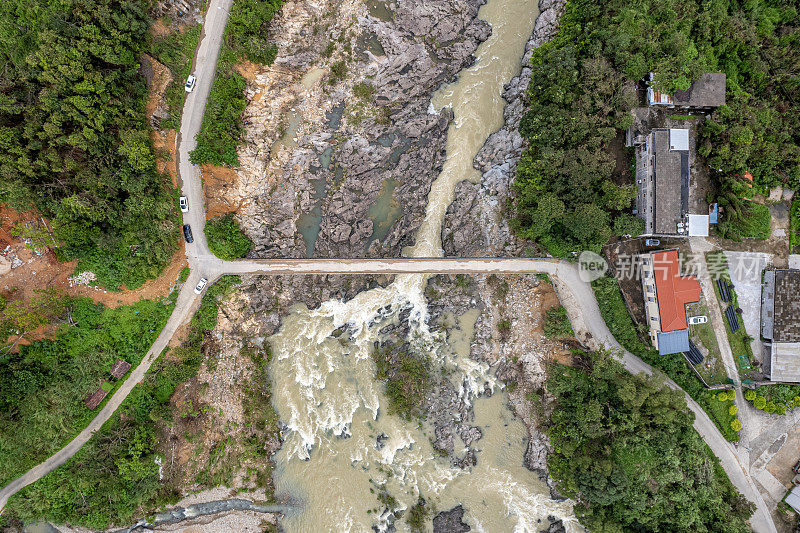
[[339, 161], [341, 147]]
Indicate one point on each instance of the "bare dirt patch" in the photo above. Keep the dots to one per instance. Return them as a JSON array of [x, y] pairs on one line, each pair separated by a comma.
[[248, 70], [45, 271], [219, 186], [782, 462]]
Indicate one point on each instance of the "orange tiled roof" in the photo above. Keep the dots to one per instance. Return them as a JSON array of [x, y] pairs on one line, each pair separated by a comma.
[[674, 291]]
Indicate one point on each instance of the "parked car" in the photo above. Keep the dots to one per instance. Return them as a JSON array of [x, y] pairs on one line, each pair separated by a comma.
[[184, 203], [651, 242], [191, 81], [796, 468], [187, 233], [698, 319], [200, 285]]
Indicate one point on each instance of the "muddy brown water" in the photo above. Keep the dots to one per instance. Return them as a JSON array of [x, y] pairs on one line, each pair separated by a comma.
[[332, 462]]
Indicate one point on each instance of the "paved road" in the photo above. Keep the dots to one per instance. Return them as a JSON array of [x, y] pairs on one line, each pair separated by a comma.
[[205, 65], [576, 295]]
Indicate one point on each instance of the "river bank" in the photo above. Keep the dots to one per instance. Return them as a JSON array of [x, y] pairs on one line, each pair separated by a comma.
[[476, 224]]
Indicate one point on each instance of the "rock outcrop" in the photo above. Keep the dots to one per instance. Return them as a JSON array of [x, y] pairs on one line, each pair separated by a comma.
[[475, 224], [341, 146]]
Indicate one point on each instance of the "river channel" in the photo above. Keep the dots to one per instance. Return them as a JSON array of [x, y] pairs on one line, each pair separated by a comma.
[[341, 448]]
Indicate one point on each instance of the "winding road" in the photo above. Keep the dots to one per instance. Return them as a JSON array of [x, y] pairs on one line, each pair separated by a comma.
[[576, 295]]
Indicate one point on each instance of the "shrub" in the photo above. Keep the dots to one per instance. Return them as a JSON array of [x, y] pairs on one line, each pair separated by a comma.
[[732, 410], [225, 239], [222, 124], [749, 395], [760, 402], [736, 425], [722, 396], [731, 395], [556, 324]]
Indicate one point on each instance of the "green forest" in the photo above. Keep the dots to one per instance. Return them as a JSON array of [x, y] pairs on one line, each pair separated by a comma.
[[626, 452], [73, 136], [569, 191]]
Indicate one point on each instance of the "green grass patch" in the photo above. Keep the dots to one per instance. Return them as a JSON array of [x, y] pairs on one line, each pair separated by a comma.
[[557, 325], [753, 223], [719, 410], [226, 239], [794, 223], [42, 388]]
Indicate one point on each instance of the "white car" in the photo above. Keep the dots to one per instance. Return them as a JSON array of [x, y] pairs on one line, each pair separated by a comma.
[[697, 320], [200, 285], [190, 83], [184, 203]]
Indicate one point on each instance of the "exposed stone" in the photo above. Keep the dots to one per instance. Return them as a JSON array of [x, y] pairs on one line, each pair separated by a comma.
[[388, 136], [451, 521]]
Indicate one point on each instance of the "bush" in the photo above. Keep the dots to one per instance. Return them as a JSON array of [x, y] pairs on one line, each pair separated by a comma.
[[736, 425], [722, 396], [225, 239], [222, 124], [247, 24], [749, 395], [732, 410], [557, 325], [760, 402]]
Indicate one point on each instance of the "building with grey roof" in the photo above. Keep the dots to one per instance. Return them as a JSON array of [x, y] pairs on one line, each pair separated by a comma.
[[705, 93], [780, 323]]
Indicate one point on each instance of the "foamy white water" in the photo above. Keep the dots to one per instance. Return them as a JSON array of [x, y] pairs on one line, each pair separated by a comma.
[[332, 461]]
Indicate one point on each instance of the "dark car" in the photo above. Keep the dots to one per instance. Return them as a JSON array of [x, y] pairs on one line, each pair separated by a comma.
[[187, 232], [796, 468]]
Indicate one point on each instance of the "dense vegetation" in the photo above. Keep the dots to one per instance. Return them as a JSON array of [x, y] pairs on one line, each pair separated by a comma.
[[570, 191], [752, 221], [407, 379], [626, 452], [114, 477], [774, 398], [619, 322], [42, 387], [245, 39], [794, 224], [73, 136], [225, 239], [556, 324]]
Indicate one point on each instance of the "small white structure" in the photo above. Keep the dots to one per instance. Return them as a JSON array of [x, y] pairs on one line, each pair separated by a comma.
[[678, 139], [698, 225]]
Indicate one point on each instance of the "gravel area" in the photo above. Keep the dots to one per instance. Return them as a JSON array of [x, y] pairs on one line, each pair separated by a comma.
[[745, 270]]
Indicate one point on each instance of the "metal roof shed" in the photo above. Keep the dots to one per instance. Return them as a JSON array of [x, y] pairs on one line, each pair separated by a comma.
[[793, 499], [698, 225], [673, 342]]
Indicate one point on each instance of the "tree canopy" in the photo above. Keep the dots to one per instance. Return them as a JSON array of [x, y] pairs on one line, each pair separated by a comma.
[[570, 192], [73, 135], [626, 452]]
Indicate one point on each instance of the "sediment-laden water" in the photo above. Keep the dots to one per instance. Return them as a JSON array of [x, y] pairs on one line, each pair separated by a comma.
[[332, 462]]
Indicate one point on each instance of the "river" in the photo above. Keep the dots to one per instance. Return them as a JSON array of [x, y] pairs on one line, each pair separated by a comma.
[[333, 462]]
